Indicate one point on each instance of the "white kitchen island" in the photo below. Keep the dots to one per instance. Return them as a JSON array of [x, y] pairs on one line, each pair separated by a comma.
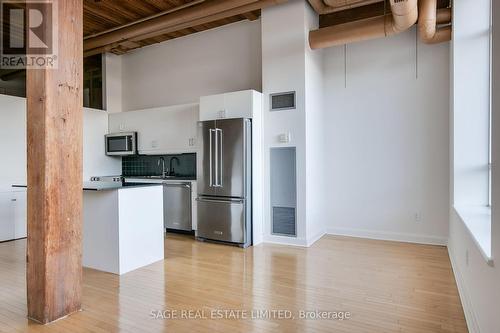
[[122, 226]]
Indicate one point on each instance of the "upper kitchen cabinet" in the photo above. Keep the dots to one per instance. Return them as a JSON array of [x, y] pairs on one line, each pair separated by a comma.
[[212, 107], [239, 104], [163, 130]]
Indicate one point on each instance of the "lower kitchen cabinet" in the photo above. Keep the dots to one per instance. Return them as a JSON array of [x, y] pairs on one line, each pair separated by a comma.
[[170, 200], [7, 229], [13, 217], [20, 215]]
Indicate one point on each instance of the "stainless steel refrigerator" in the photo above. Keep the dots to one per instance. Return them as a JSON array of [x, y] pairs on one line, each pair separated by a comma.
[[225, 181]]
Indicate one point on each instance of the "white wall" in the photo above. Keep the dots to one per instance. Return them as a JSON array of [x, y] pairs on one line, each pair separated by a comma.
[[316, 140], [95, 161], [288, 64], [112, 67], [13, 143], [179, 71], [283, 69], [471, 100], [478, 282], [387, 137]]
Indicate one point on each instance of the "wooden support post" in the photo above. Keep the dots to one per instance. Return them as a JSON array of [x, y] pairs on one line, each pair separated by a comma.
[[54, 101]]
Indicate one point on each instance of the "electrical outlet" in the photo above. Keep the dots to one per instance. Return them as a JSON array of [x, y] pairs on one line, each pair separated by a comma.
[[154, 144], [417, 217]]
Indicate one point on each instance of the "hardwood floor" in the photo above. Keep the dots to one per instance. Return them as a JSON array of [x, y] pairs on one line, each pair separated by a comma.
[[386, 287]]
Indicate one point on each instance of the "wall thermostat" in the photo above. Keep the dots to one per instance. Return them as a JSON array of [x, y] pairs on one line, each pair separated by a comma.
[[284, 137]]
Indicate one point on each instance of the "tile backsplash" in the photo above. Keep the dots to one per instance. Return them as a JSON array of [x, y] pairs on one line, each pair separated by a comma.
[[147, 165]]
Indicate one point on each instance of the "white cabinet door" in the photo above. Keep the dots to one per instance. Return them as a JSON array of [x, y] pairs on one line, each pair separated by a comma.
[[238, 104], [20, 215], [6, 216], [163, 130], [212, 107]]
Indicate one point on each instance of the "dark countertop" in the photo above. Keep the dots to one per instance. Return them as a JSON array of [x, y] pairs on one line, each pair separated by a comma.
[[106, 186], [160, 178]]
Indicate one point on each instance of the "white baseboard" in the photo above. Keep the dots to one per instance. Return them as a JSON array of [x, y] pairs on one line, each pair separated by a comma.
[[359, 233], [302, 242], [315, 238], [390, 236], [470, 316], [284, 240]]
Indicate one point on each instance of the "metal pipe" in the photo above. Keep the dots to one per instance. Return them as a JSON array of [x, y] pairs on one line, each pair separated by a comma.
[[404, 15], [427, 24], [443, 16]]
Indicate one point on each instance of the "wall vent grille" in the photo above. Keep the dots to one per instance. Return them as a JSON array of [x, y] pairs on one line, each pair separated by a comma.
[[284, 222], [283, 101]]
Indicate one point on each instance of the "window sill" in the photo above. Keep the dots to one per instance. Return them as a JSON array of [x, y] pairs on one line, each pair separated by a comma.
[[477, 219]]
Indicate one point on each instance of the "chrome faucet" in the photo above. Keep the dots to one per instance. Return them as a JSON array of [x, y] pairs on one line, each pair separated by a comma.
[[172, 171], [164, 172]]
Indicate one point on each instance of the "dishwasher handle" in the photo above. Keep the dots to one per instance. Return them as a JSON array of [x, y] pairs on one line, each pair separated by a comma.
[[230, 201], [178, 184]]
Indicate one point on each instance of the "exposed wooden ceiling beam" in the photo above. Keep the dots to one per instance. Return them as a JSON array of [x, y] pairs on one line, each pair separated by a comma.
[[251, 16], [140, 7], [162, 21], [359, 13], [107, 15], [144, 19], [257, 5], [113, 8], [194, 16], [323, 7]]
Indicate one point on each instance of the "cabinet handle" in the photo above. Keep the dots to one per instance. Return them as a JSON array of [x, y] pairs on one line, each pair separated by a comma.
[[13, 200]]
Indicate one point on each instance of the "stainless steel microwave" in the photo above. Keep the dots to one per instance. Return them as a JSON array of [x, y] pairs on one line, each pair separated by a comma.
[[121, 144]]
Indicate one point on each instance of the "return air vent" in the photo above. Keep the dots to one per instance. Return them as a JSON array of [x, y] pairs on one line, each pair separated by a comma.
[[283, 101], [283, 191], [284, 221]]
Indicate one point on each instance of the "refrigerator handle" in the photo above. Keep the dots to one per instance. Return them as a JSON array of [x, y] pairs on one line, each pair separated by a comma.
[[216, 158], [210, 162], [218, 132]]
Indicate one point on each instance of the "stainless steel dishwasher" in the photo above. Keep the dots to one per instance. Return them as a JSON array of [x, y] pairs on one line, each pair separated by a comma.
[[177, 205]]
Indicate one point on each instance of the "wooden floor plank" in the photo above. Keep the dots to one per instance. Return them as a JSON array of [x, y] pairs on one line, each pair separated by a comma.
[[386, 286]]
